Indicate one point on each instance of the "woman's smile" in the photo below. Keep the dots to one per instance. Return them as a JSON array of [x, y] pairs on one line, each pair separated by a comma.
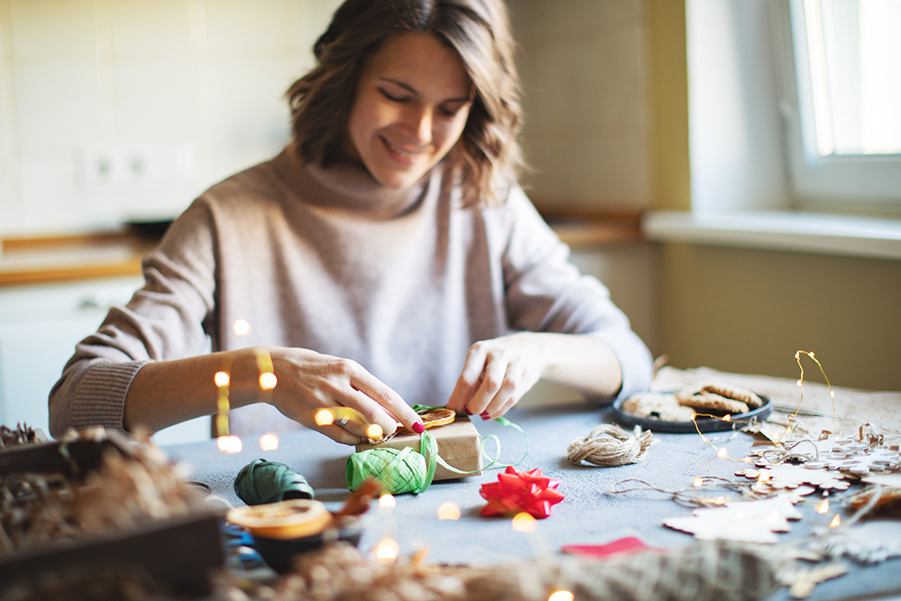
[[401, 154]]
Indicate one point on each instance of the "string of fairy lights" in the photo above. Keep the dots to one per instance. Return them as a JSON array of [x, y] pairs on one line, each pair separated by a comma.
[[764, 474]]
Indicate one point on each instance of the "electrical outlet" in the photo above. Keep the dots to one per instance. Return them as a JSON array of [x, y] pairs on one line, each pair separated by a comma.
[[134, 170]]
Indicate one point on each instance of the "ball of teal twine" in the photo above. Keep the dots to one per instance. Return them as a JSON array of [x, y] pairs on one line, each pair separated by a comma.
[[399, 470], [263, 481]]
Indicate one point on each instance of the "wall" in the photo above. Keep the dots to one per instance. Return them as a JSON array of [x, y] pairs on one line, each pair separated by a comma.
[[750, 310], [585, 76], [170, 96]]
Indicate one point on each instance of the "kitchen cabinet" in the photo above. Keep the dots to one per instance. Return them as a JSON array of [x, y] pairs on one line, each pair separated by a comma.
[[39, 328]]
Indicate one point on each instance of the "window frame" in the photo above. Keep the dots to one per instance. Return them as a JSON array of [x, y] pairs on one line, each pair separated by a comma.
[[863, 184]]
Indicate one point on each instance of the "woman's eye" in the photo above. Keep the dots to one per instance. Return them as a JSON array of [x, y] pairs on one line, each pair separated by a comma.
[[449, 111], [392, 97]]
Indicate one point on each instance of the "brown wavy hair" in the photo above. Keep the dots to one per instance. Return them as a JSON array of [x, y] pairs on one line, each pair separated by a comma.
[[488, 150]]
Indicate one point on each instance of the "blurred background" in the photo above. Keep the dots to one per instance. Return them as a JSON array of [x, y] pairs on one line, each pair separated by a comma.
[[702, 120]]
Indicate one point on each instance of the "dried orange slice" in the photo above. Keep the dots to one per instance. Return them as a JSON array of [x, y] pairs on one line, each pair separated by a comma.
[[432, 418], [294, 518]]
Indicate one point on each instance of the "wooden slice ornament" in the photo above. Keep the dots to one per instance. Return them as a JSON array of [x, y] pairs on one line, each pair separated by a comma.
[[791, 476]]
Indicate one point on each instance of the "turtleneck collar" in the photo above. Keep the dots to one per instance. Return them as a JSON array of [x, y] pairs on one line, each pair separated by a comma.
[[348, 188]]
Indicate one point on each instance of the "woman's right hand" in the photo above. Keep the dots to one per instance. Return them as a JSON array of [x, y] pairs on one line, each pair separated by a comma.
[[309, 381]]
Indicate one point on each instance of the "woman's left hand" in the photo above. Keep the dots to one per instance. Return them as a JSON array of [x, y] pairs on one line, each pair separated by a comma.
[[496, 374]]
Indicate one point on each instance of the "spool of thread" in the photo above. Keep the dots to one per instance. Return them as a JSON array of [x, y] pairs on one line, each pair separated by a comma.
[[399, 470], [263, 481]]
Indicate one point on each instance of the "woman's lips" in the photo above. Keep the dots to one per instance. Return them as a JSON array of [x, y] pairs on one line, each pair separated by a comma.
[[399, 153]]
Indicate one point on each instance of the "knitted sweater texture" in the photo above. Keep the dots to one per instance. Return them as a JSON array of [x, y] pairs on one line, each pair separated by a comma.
[[401, 281]]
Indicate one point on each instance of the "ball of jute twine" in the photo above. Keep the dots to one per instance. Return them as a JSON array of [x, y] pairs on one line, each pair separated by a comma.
[[607, 446]]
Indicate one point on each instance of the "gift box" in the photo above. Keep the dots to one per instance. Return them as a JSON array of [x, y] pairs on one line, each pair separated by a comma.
[[458, 444]]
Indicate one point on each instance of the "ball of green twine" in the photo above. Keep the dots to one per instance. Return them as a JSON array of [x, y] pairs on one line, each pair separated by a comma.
[[263, 481], [399, 470]]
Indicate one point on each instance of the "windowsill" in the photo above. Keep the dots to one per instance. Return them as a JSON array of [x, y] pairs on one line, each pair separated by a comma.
[[806, 232]]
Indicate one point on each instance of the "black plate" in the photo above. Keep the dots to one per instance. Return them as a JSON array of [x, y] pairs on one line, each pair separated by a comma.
[[278, 552], [704, 424]]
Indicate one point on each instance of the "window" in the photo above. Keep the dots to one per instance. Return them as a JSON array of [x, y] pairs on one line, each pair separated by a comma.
[[841, 101]]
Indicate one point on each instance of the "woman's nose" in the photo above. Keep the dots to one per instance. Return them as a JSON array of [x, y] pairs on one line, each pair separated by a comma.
[[419, 124]]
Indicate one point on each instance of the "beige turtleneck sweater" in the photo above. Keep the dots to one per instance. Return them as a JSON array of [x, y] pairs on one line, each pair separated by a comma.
[[401, 281]]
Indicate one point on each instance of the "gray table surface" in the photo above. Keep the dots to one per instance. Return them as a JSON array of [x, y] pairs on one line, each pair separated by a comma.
[[588, 515]]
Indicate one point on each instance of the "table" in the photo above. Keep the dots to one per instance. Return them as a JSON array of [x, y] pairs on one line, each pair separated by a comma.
[[589, 514]]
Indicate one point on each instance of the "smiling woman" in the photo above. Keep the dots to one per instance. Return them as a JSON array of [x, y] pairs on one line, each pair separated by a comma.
[[386, 257], [472, 35], [411, 106]]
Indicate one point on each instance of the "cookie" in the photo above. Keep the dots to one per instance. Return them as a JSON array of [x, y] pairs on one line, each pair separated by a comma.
[[656, 405], [710, 402], [736, 393]]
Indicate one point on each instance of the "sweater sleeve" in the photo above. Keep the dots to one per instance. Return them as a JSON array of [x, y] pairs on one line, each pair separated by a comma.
[[164, 320], [546, 293]]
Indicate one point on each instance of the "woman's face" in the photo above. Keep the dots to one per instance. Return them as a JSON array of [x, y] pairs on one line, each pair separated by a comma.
[[411, 106]]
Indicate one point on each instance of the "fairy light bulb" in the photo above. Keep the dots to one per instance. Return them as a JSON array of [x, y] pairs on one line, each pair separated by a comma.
[[523, 522], [268, 380], [448, 511], [836, 521], [387, 500], [739, 515], [324, 417], [241, 327], [221, 379], [374, 431], [698, 482], [229, 444], [722, 453], [387, 550], [561, 595], [269, 442], [824, 507], [719, 501]]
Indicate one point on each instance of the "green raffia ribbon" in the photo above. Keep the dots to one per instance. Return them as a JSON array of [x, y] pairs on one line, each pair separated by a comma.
[[263, 481], [399, 470], [405, 470]]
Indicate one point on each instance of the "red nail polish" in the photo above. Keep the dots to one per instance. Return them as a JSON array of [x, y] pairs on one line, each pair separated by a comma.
[[418, 428], [467, 411]]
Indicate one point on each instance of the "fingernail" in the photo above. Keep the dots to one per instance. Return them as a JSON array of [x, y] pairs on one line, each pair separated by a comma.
[[418, 428], [484, 415], [467, 411]]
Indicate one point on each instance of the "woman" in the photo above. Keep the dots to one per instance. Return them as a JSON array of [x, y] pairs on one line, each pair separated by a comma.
[[386, 257]]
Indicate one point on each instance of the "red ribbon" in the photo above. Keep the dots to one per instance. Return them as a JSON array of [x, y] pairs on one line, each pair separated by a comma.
[[517, 491]]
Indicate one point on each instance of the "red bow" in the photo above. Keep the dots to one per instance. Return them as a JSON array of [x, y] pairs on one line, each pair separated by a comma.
[[517, 491]]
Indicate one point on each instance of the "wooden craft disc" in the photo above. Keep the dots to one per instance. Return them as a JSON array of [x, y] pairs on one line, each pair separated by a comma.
[[294, 518]]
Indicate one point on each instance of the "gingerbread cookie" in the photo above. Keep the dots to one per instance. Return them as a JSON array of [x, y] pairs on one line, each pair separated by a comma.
[[735, 393], [707, 401], [656, 405]]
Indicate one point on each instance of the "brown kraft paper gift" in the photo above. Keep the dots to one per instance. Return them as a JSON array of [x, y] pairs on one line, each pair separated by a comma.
[[458, 444]]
